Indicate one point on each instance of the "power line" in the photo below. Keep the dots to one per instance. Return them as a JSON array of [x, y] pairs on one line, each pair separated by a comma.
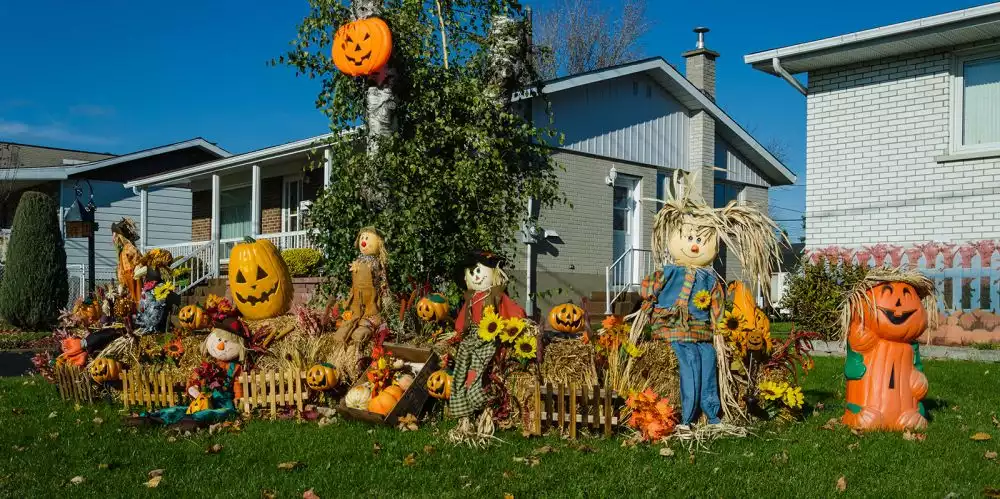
[[786, 209]]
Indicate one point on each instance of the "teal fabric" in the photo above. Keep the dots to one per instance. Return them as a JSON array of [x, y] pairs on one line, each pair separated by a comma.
[[221, 402]]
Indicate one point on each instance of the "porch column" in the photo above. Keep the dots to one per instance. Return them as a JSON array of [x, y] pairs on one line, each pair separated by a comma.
[[216, 220], [62, 211], [255, 201], [143, 219], [327, 166]]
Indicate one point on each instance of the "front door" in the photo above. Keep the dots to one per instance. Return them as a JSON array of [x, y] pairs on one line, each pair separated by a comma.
[[625, 227], [292, 204]]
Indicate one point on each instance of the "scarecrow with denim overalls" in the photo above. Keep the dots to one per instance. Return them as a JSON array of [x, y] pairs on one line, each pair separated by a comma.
[[683, 301]]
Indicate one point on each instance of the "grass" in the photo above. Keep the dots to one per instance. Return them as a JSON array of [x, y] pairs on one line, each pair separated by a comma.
[[16, 340], [47, 442]]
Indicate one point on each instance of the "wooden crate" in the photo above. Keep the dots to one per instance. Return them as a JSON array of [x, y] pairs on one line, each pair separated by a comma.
[[570, 407], [273, 390], [73, 383], [414, 397], [151, 388]]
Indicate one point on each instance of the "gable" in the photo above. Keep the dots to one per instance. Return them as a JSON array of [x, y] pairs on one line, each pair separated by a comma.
[[738, 169]]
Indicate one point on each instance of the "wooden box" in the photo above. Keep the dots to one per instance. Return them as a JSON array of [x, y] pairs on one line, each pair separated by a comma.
[[413, 399]]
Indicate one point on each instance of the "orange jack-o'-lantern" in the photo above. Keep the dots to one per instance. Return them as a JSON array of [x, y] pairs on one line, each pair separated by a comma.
[[566, 318], [432, 308], [104, 369], [259, 280], [192, 317], [897, 313], [439, 385], [322, 377], [361, 48]]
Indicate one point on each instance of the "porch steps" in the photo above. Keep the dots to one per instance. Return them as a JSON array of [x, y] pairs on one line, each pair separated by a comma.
[[624, 305], [197, 294]]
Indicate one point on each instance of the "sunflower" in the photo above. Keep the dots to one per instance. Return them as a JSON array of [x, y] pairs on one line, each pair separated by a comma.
[[793, 397], [174, 349], [512, 328], [490, 325], [526, 346], [771, 390], [153, 351], [163, 290], [702, 299], [732, 322]]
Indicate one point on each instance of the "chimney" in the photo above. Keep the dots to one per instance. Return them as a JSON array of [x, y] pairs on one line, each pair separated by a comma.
[[700, 67]]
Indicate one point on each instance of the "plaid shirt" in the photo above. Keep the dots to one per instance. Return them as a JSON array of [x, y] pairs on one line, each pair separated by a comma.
[[679, 321]]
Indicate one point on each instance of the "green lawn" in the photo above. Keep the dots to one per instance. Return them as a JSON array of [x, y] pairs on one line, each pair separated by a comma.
[[46, 443]]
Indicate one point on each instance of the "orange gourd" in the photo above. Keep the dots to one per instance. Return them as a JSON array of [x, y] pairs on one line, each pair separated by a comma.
[[386, 399], [566, 318], [362, 47], [758, 326], [885, 382]]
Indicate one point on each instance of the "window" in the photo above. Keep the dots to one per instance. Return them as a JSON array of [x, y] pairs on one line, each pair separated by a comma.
[[726, 192], [976, 103], [235, 220]]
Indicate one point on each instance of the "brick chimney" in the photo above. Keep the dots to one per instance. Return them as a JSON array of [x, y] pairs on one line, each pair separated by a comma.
[[700, 68]]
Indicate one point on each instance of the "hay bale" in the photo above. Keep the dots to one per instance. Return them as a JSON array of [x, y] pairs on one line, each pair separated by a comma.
[[657, 368], [569, 361]]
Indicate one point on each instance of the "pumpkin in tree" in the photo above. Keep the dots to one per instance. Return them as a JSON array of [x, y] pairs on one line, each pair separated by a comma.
[[433, 308], [322, 377], [885, 379], [103, 369], [362, 48], [566, 318], [259, 280], [192, 317]]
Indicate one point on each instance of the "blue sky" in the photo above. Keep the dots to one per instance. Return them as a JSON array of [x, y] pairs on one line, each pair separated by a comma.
[[120, 76]]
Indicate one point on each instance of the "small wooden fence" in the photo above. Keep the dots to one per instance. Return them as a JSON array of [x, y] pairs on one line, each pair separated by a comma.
[[73, 383], [569, 408]]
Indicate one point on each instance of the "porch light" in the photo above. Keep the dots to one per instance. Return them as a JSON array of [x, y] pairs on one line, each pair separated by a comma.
[[80, 223]]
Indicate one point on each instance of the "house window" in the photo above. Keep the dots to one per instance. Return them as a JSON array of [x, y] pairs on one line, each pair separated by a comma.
[[292, 204], [976, 103], [235, 220], [726, 192]]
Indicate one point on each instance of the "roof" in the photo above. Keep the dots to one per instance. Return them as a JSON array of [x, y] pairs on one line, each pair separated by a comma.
[[689, 96], [233, 161], [943, 30], [64, 172]]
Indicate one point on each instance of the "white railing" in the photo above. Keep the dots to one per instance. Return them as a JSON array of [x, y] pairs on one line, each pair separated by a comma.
[[626, 274], [201, 264]]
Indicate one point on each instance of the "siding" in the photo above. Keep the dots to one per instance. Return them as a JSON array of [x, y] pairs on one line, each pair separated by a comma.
[[630, 118], [738, 168], [873, 131]]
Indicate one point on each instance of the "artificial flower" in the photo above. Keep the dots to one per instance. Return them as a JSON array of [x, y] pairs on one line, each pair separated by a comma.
[[212, 301], [793, 397], [526, 347], [732, 322], [347, 315], [611, 321], [771, 390], [149, 285], [702, 299], [490, 325], [653, 416], [174, 349], [512, 329], [162, 291], [153, 351], [225, 306], [632, 350]]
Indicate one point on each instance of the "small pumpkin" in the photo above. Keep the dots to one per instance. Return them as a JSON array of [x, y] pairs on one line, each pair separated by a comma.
[[87, 311], [322, 377], [199, 404], [104, 369], [362, 47], [566, 318], [259, 280], [433, 308], [357, 397], [439, 385], [383, 403], [192, 317]]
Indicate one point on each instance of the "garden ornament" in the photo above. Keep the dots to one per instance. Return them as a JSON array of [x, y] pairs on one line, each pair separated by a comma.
[[259, 279], [362, 313]]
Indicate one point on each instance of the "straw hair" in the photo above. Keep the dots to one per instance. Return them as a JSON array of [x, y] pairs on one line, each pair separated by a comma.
[[858, 301]]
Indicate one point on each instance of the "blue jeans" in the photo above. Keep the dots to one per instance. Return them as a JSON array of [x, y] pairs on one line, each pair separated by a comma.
[[699, 380]]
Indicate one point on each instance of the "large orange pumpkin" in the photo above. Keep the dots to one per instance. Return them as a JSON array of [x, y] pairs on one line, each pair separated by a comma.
[[384, 402], [259, 280], [885, 382], [566, 318], [432, 308], [361, 48]]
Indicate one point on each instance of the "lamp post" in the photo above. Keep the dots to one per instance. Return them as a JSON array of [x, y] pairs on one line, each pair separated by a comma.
[[80, 223]]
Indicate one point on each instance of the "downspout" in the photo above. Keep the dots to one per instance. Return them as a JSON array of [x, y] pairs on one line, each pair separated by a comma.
[[782, 72]]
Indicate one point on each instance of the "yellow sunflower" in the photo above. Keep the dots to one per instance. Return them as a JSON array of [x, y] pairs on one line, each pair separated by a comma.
[[771, 390], [793, 397], [161, 292], [702, 299], [490, 325], [526, 347], [512, 329], [732, 323]]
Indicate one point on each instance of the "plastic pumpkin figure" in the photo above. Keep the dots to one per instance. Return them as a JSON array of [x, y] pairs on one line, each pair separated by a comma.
[[368, 287], [884, 316]]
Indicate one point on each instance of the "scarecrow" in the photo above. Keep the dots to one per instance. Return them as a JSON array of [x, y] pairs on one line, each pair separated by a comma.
[[124, 236], [683, 300], [369, 287]]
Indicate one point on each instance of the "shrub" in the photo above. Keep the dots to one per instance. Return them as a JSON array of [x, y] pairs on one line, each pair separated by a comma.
[[35, 283], [302, 262], [815, 293]]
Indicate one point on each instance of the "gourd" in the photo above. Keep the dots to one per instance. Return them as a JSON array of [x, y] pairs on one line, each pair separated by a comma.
[[259, 280], [362, 47], [566, 318], [358, 397]]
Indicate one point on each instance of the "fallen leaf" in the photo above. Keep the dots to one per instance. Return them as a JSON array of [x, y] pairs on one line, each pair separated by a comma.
[[54, 436], [508, 495], [990, 455], [996, 422], [410, 459], [289, 465], [857, 432], [854, 446], [154, 482], [530, 460], [98, 421], [103, 466], [586, 449], [17, 410], [19, 448], [171, 439], [954, 407], [691, 458], [508, 474], [545, 449], [980, 437], [667, 452], [831, 424], [991, 492], [841, 484], [376, 448], [820, 406], [780, 458], [951, 495], [408, 423], [155, 473], [428, 449], [914, 436], [214, 449], [77, 480], [268, 494], [309, 494], [748, 454]]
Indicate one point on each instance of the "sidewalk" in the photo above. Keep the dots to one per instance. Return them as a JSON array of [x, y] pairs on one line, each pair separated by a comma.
[[836, 349]]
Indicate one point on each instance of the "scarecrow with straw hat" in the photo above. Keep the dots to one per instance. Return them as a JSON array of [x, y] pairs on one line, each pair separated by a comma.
[[124, 236], [683, 300]]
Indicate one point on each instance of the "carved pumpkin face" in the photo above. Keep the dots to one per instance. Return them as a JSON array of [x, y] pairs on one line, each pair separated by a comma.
[[322, 377], [361, 48], [432, 308], [199, 404], [439, 385], [896, 312], [192, 317], [259, 280], [566, 318], [692, 245], [104, 369], [480, 277], [756, 339]]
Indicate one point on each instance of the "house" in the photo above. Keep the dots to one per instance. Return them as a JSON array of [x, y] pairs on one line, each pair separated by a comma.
[[66, 174], [627, 128], [903, 147]]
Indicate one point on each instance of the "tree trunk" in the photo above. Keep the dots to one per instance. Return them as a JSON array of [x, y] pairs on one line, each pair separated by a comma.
[[506, 46], [379, 108]]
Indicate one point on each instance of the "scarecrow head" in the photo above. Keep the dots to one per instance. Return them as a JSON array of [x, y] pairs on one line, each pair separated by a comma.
[[693, 243], [483, 271], [124, 231], [370, 243], [224, 345]]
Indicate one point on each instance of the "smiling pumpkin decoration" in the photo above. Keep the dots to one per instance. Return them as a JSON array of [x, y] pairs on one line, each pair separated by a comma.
[[259, 280], [192, 317], [104, 369], [883, 318], [433, 308], [322, 377], [566, 318], [362, 47]]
